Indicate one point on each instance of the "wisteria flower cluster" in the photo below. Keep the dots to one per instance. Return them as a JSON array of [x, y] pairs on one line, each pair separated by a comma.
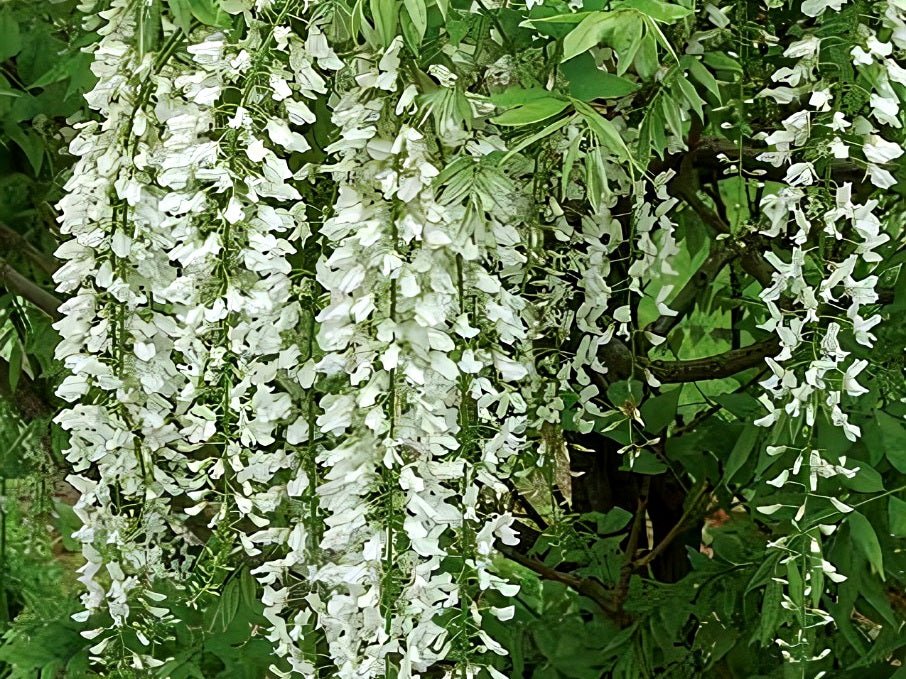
[[363, 298]]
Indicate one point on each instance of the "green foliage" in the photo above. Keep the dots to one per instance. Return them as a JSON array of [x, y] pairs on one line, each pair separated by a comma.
[[715, 601], [44, 77]]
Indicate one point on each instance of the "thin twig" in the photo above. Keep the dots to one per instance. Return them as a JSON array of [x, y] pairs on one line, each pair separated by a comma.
[[633, 543], [588, 587], [678, 528]]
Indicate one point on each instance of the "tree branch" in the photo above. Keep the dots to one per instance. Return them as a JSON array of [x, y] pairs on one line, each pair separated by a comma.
[[706, 155], [632, 544], [12, 241], [715, 367], [19, 285], [719, 256], [678, 528], [686, 187], [588, 587]]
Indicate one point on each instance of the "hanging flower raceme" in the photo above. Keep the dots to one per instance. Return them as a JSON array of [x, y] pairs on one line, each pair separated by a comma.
[[818, 216], [409, 552], [329, 317], [182, 333]]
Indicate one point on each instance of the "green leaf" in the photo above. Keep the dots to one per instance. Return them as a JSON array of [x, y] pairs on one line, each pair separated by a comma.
[[770, 613], [685, 89], [59, 72], [604, 130], [209, 13], [248, 589], [722, 62], [410, 34], [896, 516], [865, 540], [533, 111], [386, 15], [614, 520], [222, 613], [866, 480], [537, 136], [81, 79], [555, 26], [66, 523], [659, 11], [660, 411], [672, 116], [645, 60], [651, 134], [182, 14], [588, 82], [569, 160], [515, 97], [519, 96], [625, 392], [744, 406], [627, 41], [596, 28], [703, 76], [899, 291], [596, 184], [893, 439], [795, 585], [418, 13], [645, 462], [7, 91], [10, 37], [16, 358], [30, 143], [765, 571], [742, 451]]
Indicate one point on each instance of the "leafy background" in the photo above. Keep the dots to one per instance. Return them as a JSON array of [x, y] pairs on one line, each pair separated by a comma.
[[719, 618]]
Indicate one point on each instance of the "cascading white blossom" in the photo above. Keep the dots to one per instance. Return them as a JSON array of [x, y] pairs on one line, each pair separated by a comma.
[[184, 314], [338, 398], [803, 312], [829, 374], [396, 316], [117, 433]]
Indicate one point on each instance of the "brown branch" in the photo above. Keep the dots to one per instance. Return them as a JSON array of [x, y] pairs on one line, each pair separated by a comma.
[[588, 587], [678, 528], [13, 241], [685, 299], [707, 152], [715, 367], [19, 285], [632, 544], [710, 218]]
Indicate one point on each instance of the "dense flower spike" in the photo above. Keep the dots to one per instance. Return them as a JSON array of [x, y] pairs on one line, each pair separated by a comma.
[[348, 286]]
